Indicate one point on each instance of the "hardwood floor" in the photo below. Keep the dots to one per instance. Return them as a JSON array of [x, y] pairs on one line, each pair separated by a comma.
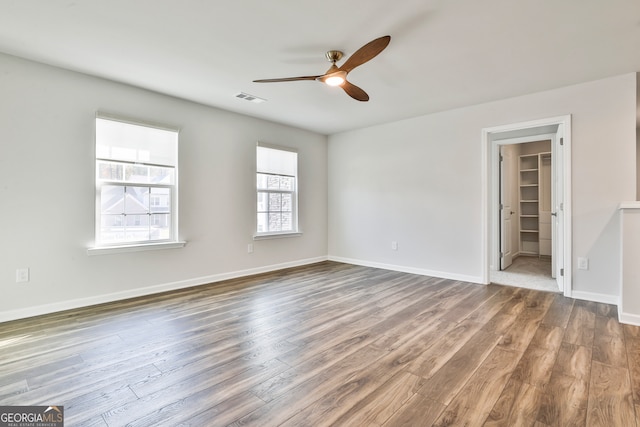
[[330, 344]]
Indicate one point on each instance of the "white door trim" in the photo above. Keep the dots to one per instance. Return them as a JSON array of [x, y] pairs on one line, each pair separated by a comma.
[[490, 166]]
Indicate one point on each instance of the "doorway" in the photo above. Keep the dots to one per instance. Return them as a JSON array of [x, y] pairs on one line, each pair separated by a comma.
[[496, 255], [526, 237]]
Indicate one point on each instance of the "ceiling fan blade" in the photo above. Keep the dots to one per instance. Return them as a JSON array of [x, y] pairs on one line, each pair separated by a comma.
[[287, 79], [354, 91], [366, 53]]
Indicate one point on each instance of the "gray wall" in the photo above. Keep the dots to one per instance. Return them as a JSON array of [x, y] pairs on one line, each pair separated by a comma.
[[637, 136], [419, 182], [48, 197]]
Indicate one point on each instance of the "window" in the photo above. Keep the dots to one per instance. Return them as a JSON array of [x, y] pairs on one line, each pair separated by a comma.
[[136, 183], [277, 194]]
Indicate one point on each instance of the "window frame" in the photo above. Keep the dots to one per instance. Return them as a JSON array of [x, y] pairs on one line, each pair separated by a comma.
[[294, 195], [101, 246]]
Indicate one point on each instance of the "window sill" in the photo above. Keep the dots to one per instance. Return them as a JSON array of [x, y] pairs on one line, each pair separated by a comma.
[[105, 250], [264, 236]]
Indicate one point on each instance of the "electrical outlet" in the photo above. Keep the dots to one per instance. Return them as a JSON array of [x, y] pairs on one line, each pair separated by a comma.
[[394, 246], [583, 263], [250, 248], [22, 275]]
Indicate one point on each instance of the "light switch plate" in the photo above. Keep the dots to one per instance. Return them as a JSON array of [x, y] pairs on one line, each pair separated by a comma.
[[583, 263], [22, 275]]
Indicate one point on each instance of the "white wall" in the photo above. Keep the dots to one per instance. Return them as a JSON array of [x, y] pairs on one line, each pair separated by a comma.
[[629, 308], [419, 182], [638, 163], [47, 192], [638, 136]]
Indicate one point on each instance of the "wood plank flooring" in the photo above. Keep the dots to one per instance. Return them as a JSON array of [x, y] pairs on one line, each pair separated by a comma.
[[330, 344]]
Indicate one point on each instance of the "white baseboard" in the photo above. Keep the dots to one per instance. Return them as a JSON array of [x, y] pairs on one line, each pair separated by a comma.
[[592, 296], [631, 319], [10, 315], [6, 316], [412, 270]]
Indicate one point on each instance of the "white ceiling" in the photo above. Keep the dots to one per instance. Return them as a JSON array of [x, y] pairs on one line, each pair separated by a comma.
[[443, 53]]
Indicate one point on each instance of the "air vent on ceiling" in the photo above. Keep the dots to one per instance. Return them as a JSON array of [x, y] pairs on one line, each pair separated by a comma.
[[251, 98]]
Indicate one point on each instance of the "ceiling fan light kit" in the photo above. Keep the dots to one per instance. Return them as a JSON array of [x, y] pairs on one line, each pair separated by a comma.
[[337, 76], [333, 77], [334, 80]]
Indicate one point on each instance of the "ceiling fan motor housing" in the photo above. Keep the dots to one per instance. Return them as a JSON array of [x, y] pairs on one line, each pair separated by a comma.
[[334, 56]]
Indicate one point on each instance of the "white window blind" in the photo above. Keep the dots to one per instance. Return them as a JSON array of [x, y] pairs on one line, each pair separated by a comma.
[[116, 140], [277, 161]]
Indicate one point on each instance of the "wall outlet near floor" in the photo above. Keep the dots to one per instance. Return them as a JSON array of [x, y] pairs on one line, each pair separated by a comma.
[[22, 275], [583, 263], [250, 248], [394, 246]]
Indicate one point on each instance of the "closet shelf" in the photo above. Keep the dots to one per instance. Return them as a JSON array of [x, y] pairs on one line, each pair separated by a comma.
[[530, 187]]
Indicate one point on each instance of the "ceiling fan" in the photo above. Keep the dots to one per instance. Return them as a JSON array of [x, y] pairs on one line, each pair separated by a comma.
[[337, 76]]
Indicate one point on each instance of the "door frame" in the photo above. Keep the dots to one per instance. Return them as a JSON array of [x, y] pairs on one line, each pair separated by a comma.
[[491, 191]]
